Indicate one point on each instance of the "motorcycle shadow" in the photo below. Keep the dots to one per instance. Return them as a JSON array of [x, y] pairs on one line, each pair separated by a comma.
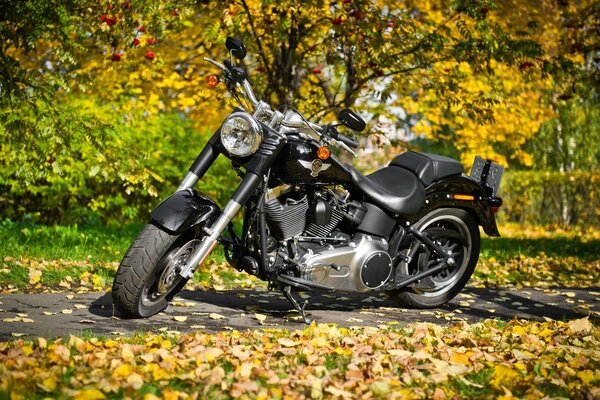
[[473, 304]]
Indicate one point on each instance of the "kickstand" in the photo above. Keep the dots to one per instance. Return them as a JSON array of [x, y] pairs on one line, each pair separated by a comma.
[[287, 291]]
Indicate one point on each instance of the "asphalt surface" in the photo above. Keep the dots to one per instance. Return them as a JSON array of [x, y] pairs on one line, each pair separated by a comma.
[[60, 314]]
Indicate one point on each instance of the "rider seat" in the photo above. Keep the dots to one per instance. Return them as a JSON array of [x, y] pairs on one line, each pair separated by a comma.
[[400, 187]]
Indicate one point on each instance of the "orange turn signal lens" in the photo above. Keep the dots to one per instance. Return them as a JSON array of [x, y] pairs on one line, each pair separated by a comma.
[[463, 197], [212, 80], [323, 152]]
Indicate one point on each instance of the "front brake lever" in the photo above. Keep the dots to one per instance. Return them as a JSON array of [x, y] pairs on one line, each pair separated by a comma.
[[345, 147], [216, 64]]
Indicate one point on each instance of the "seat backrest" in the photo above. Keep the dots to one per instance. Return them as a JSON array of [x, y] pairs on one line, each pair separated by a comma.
[[428, 167]]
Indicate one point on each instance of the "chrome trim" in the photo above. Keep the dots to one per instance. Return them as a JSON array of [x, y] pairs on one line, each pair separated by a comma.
[[208, 242], [189, 181]]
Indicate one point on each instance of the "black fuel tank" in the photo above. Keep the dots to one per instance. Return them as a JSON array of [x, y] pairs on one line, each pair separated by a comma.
[[298, 163]]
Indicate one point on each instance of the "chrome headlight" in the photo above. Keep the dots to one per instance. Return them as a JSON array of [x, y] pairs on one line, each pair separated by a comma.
[[241, 134]]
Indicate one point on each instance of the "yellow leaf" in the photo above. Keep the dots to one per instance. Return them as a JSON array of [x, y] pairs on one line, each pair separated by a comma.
[[180, 318], [110, 343], [503, 376], [460, 358], [586, 376], [89, 394], [216, 316], [123, 371], [67, 311], [48, 384], [519, 330]]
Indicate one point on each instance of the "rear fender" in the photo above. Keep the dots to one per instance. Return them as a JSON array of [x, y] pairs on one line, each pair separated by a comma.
[[442, 194], [184, 210]]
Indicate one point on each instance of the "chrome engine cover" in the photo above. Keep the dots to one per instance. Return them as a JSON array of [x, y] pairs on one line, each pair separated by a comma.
[[362, 265]]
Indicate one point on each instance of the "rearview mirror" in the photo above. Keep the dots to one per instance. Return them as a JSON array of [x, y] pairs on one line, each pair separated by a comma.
[[236, 47], [352, 120]]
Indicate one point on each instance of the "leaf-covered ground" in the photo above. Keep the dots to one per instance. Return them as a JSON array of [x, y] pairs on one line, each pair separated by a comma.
[[490, 359]]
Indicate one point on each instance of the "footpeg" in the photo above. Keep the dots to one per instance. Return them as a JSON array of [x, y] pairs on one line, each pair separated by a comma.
[[287, 291]]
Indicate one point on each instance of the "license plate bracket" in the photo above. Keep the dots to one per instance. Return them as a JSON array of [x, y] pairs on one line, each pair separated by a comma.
[[488, 173]]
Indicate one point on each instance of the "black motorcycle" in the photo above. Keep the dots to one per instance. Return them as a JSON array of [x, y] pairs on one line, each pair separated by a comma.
[[310, 222]]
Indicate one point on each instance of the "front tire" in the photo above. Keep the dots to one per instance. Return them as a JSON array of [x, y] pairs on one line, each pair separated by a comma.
[[457, 232], [148, 276]]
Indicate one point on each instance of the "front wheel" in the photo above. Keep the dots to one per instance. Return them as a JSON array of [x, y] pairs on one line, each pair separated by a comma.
[[456, 231], [148, 276]]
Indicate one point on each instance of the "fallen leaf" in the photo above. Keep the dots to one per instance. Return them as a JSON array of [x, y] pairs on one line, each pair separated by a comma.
[[67, 311], [216, 316], [582, 325], [285, 342], [180, 318], [261, 318]]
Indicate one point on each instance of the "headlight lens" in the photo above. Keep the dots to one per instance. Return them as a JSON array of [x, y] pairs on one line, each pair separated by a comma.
[[241, 134]]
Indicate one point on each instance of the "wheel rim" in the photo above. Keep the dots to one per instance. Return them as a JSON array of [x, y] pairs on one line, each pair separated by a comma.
[[166, 276], [452, 235]]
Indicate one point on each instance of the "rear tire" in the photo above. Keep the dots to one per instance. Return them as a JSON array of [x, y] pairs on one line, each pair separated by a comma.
[[148, 276], [456, 231]]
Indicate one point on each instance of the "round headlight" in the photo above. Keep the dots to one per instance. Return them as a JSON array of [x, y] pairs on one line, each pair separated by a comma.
[[240, 134]]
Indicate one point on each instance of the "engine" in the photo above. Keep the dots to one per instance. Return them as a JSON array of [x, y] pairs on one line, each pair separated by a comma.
[[305, 223]]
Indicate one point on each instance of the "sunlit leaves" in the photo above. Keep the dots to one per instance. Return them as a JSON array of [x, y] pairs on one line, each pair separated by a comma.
[[487, 359]]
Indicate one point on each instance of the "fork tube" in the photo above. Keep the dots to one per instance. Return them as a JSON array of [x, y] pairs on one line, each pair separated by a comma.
[[240, 197], [205, 159]]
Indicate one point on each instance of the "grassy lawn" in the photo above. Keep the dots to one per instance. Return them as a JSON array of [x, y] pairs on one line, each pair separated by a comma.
[[82, 258]]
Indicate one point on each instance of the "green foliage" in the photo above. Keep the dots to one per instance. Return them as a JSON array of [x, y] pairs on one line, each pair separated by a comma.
[[551, 197], [571, 141], [86, 164]]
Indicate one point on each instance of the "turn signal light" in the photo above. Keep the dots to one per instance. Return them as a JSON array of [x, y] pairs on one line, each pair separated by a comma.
[[212, 80], [463, 197], [323, 153]]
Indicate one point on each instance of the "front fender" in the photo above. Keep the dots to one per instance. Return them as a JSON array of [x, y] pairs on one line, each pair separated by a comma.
[[441, 194], [183, 210]]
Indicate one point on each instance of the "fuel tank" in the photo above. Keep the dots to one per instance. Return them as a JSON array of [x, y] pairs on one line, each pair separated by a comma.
[[298, 163]]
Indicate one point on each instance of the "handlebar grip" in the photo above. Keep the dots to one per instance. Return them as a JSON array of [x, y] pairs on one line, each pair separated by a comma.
[[344, 139]]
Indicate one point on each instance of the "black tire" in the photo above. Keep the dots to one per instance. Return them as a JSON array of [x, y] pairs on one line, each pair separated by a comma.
[[455, 230], [147, 278]]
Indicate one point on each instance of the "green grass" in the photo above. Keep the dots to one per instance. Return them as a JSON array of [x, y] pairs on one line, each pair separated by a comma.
[[97, 243], [504, 249]]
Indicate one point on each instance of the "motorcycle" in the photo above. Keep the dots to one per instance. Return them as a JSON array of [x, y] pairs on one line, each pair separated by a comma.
[[312, 223]]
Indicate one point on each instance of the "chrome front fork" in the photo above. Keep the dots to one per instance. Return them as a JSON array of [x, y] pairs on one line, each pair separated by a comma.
[[209, 241]]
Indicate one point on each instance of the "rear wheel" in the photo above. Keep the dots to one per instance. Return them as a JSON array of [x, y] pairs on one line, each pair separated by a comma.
[[148, 276], [457, 233]]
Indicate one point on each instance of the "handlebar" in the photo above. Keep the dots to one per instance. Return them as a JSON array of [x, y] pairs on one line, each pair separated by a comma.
[[345, 142]]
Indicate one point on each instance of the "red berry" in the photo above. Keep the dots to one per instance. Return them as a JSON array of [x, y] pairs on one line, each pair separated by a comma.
[[51, 160], [110, 6], [390, 25], [103, 17], [150, 55], [127, 4], [346, 1], [260, 69], [136, 42], [316, 71], [141, 29], [525, 65], [151, 41], [116, 56], [174, 12], [110, 21], [337, 21], [356, 14]]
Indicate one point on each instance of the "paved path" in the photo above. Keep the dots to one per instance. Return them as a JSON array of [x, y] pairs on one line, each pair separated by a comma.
[[59, 314]]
